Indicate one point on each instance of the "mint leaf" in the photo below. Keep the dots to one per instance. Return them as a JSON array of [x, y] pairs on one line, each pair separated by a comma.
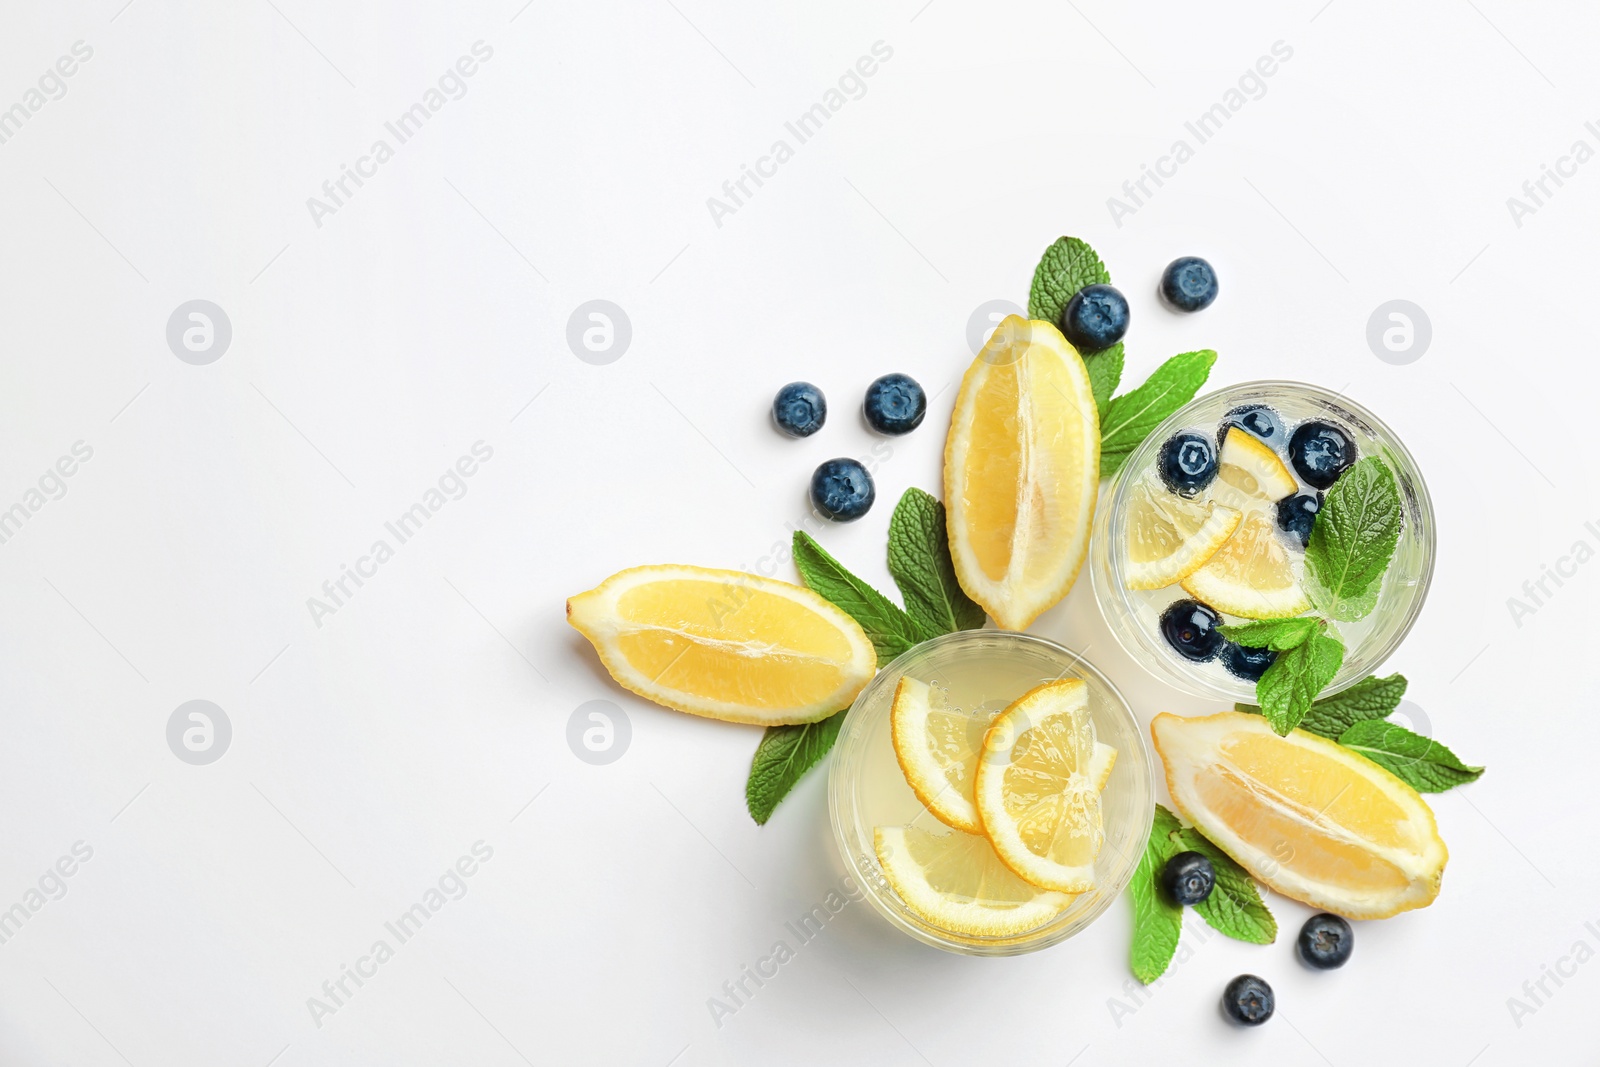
[[1157, 921], [1234, 907], [1130, 417], [890, 630], [1289, 686], [1420, 762], [919, 560], [1280, 635], [1370, 698], [784, 755], [1105, 372], [1067, 266], [1353, 540]]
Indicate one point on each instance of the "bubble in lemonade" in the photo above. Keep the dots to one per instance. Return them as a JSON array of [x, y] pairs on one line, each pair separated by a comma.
[[905, 787], [1208, 523]]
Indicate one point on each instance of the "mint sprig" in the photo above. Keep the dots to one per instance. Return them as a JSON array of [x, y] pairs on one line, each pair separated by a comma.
[[1068, 265], [1309, 655], [1355, 718], [889, 628], [785, 754], [1234, 908], [919, 561], [1353, 540]]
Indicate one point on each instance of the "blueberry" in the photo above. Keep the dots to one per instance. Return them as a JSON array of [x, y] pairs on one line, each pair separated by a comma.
[[1191, 628], [1248, 663], [1326, 941], [1320, 452], [842, 490], [895, 404], [1188, 878], [1189, 284], [1297, 513], [1096, 317], [1248, 1000], [1187, 463], [799, 409], [1257, 420]]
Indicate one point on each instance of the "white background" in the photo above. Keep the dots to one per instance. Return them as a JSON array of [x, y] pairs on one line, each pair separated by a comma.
[[429, 312]]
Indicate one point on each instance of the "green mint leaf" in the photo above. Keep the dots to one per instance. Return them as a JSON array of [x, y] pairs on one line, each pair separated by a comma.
[[1235, 907], [1105, 373], [1295, 678], [919, 560], [1353, 540], [1067, 266], [890, 629], [1421, 762], [1370, 698], [1157, 921], [1280, 635], [1130, 417], [784, 755]]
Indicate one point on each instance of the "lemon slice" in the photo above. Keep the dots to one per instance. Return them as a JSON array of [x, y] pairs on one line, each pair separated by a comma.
[[937, 747], [1251, 575], [725, 644], [1170, 537], [1250, 474], [957, 883], [1304, 815], [1035, 797], [1021, 470]]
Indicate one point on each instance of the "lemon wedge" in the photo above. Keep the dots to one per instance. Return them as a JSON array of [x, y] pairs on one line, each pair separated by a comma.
[[725, 644], [1251, 575], [1169, 538], [1035, 796], [1306, 816], [1250, 474], [1021, 471], [937, 747], [956, 882]]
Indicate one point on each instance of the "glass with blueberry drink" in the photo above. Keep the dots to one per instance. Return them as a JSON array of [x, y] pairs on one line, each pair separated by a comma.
[[1207, 525]]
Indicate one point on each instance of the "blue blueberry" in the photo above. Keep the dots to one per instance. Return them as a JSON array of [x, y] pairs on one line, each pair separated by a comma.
[[1187, 463], [895, 404], [799, 409], [1191, 628], [1188, 878], [1096, 317], [1248, 1000], [842, 490], [1326, 941], [1257, 420], [1189, 284], [1297, 513], [1320, 452], [1248, 663]]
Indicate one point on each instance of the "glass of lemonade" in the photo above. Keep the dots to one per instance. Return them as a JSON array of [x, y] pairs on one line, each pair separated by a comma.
[[1278, 511], [980, 672]]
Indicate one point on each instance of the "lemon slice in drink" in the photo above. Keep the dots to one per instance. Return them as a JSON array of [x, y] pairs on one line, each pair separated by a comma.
[[937, 747], [1035, 797], [1021, 471], [725, 644], [1306, 816], [1169, 538], [1251, 575], [1250, 474], [956, 882]]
